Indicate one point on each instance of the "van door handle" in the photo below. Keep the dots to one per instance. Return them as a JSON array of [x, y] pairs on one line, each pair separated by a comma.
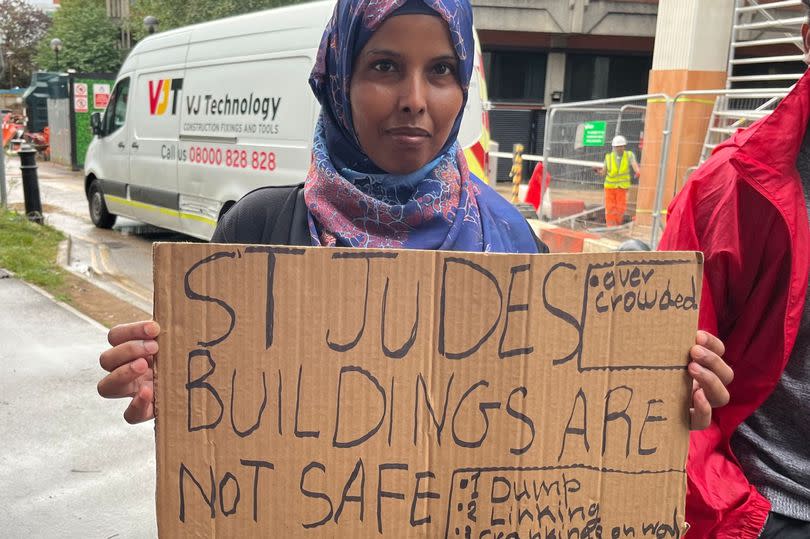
[[135, 145], [121, 145]]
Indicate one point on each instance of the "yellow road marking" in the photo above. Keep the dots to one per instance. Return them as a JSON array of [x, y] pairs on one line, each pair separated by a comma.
[[94, 261], [104, 253], [124, 282], [102, 265]]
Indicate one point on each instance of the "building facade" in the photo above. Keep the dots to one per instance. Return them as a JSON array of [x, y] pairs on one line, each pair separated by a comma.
[[550, 50], [118, 11], [48, 6], [540, 52]]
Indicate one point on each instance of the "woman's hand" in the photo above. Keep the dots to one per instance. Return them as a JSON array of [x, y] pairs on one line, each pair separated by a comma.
[[129, 363], [131, 359], [710, 376]]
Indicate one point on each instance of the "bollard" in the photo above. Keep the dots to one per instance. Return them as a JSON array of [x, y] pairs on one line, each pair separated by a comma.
[[517, 171], [30, 182]]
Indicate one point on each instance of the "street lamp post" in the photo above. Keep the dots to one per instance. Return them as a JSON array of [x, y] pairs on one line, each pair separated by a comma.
[[151, 23], [56, 46]]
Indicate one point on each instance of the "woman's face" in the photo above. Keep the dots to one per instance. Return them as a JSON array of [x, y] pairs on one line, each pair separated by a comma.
[[405, 93]]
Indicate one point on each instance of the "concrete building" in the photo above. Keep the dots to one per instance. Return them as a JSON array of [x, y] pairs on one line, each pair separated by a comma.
[[118, 11], [566, 49], [540, 52], [707, 45], [48, 6]]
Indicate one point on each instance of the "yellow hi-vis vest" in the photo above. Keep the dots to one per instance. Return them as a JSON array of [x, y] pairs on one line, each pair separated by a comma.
[[617, 175]]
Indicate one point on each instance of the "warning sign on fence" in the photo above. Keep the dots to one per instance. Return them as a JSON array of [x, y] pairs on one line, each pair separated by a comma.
[[80, 103]]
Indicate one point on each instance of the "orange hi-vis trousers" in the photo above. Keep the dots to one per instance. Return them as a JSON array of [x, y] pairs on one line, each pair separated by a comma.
[[615, 206]]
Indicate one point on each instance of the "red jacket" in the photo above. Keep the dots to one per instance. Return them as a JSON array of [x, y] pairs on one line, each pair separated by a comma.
[[745, 209]]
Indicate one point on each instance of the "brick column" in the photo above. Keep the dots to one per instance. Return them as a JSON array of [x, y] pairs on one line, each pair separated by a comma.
[[691, 53]]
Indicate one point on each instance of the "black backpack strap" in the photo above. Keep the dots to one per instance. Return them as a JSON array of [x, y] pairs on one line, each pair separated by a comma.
[[263, 216], [277, 232], [299, 231], [542, 248]]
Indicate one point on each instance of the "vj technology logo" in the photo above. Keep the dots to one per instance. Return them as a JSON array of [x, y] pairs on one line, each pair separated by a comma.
[[161, 92]]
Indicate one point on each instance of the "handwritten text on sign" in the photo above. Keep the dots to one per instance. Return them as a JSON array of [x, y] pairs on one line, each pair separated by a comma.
[[322, 392]]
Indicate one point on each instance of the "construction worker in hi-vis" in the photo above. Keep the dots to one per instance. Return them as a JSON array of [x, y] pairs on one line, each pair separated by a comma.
[[617, 169]]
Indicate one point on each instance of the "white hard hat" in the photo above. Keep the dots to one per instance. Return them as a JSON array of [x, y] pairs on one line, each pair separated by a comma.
[[619, 140], [633, 245]]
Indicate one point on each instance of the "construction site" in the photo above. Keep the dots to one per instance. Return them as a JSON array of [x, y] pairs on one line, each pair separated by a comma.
[[717, 67], [672, 78]]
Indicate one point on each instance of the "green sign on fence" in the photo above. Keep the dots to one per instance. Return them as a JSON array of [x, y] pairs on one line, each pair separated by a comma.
[[593, 133]]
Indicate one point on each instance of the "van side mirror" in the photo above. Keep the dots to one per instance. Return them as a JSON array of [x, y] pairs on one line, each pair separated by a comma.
[[95, 124]]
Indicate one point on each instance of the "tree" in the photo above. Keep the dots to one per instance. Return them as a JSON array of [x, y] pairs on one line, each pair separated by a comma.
[[21, 27], [177, 13], [90, 40]]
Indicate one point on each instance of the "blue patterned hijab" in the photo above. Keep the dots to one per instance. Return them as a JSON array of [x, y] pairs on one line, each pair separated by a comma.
[[352, 202]]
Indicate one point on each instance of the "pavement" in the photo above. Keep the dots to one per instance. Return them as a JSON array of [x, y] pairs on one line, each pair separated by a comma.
[[70, 466]]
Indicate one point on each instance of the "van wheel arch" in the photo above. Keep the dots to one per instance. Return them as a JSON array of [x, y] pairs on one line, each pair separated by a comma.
[[88, 181]]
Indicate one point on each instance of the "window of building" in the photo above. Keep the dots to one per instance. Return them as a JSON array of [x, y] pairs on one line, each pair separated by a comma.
[[516, 76], [591, 76]]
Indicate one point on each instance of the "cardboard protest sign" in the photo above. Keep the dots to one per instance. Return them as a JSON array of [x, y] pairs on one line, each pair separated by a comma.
[[312, 392]]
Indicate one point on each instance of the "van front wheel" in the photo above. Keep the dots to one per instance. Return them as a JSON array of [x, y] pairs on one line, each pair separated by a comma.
[[98, 209]]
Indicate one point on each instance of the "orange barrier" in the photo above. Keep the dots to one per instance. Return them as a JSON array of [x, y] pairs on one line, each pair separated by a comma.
[[10, 128]]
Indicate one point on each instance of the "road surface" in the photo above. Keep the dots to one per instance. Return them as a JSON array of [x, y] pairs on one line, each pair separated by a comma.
[[118, 260]]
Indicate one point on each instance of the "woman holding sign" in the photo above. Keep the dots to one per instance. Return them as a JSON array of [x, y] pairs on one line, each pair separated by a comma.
[[387, 172]]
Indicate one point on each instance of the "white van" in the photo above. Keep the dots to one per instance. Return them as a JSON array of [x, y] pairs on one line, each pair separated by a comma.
[[202, 115]]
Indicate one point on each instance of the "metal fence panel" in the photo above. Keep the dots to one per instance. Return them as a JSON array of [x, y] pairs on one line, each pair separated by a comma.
[[59, 124], [567, 131], [717, 114], [577, 137]]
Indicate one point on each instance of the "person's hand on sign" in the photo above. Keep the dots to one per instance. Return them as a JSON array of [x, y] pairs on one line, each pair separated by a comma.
[[710, 376], [129, 363]]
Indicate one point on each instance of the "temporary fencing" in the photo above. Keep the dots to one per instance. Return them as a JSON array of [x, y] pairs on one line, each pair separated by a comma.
[[714, 116], [578, 136]]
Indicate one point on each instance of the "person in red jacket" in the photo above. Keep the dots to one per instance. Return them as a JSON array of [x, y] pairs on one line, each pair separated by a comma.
[[747, 209]]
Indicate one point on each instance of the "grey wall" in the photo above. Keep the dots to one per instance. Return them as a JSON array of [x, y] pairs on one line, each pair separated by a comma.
[[602, 17]]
